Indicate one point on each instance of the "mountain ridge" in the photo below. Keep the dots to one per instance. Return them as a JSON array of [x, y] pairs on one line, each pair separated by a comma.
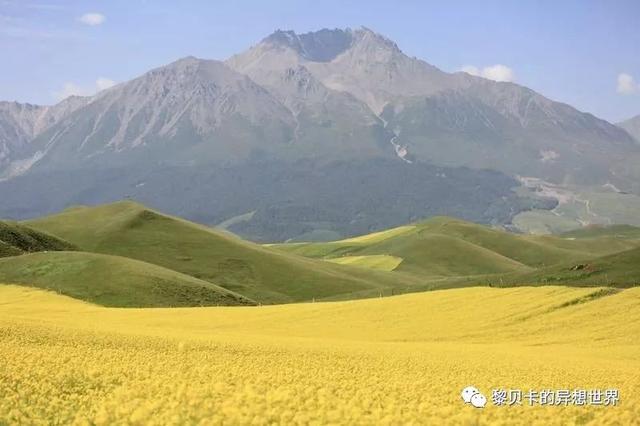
[[321, 75], [20, 123], [374, 70], [632, 126], [187, 100]]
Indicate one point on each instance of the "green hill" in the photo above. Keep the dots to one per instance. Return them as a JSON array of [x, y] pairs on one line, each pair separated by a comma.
[[8, 250], [419, 251], [261, 273], [449, 247], [16, 239], [443, 255], [615, 231], [437, 253], [590, 247], [616, 270], [529, 250], [113, 281]]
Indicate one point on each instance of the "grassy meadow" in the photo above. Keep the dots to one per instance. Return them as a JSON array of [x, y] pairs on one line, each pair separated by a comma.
[[114, 280], [259, 273]]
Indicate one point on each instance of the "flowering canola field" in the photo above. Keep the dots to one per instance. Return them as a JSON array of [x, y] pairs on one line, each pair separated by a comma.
[[399, 360], [375, 261]]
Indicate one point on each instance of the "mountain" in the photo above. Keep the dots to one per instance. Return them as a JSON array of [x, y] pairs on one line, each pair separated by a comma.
[[270, 201], [198, 139], [450, 119], [20, 124], [506, 127], [190, 111], [276, 64], [323, 135], [360, 62], [632, 126]]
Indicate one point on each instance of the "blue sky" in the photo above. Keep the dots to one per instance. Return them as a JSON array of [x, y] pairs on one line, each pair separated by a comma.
[[585, 53]]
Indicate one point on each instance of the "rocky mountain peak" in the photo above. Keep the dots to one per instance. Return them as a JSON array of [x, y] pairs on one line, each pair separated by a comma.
[[318, 46], [188, 67], [370, 39], [326, 44]]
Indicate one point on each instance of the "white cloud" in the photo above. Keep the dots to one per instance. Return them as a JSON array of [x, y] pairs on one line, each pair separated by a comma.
[[73, 89], [92, 18], [497, 72], [627, 85]]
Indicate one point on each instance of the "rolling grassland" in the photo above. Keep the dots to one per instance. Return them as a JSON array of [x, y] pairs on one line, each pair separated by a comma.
[[114, 281], [452, 253], [263, 274], [396, 360]]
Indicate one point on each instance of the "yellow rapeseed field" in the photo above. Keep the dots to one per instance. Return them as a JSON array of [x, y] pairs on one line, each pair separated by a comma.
[[399, 360], [381, 262]]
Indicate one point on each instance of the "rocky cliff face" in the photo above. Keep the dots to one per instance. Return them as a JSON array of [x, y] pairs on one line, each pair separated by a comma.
[[20, 124]]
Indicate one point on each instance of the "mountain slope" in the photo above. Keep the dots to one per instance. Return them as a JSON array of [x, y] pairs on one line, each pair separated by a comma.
[[334, 120], [20, 124], [620, 270], [289, 199], [632, 126], [262, 274], [113, 281], [512, 129], [617, 231], [17, 239], [188, 112], [453, 119]]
